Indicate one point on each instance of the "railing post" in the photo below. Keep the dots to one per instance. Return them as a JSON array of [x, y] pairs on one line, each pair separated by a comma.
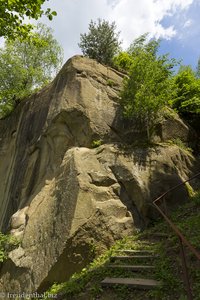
[[183, 241], [165, 206], [185, 271]]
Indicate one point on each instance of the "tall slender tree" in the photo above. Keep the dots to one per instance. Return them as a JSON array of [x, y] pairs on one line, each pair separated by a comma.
[[149, 87]]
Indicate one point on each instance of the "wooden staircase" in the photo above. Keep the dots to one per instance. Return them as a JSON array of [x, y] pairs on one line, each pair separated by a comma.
[[139, 262]]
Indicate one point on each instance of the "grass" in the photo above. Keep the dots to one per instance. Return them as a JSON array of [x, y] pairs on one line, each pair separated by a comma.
[[182, 145], [87, 284], [110, 82], [96, 143]]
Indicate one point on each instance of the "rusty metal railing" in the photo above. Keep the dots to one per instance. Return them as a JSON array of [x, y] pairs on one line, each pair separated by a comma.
[[182, 239]]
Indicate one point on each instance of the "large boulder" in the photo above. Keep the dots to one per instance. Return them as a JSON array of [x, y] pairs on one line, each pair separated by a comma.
[[65, 200], [95, 197], [76, 108]]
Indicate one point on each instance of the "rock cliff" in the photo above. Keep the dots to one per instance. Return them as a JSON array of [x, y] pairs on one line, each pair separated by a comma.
[[64, 199]]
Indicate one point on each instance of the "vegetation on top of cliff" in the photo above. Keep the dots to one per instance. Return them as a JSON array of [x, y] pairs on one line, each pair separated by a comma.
[[13, 13], [148, 87], [151, 83], [101, 42], [160, 238], [26, 66], [186, 100]]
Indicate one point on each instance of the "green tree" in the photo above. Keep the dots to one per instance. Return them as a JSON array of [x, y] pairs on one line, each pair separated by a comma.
[[13, 12], [27, 65], [123, 61], [101, 42], [148, 87], [187, 97]]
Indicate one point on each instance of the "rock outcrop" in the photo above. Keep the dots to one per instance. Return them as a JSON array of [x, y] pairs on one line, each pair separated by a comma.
[[64, 199]]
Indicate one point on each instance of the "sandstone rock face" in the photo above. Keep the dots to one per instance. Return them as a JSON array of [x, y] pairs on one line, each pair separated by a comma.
[[65, 200], [18, 222], [77, 108]]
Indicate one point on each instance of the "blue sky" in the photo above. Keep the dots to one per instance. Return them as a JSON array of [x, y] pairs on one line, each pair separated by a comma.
[[185, 44]]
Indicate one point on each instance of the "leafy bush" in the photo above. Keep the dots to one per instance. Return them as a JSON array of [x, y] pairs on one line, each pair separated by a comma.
[[186, 100], [187, 97], [7, 242], [110, 82], [96, 143]]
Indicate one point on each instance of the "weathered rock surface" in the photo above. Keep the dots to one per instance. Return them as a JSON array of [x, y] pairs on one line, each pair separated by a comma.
[[64, 199]]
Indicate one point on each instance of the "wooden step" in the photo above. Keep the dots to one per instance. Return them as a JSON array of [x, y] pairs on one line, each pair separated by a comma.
[[132, 282], [132, 256], [132, 267]]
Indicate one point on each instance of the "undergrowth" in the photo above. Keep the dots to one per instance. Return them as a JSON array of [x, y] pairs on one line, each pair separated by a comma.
[[7, 243], [87, 283]]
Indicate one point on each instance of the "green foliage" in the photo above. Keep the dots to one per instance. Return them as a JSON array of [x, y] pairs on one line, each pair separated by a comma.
[[77, 282], [186, 218], [110, 82], [7, 242], [96, 143], [186, 100], [187, 97], [26, 66], [196, 198], [149, 87], [13, 13], [141, 44], [90, 277], [168, 270], [101, 42], [3, 241], [198, 69], [182, 145], [123, 61]]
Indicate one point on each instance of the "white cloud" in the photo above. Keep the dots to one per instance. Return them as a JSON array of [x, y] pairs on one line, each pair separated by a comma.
[[137, 17], [132, 17]]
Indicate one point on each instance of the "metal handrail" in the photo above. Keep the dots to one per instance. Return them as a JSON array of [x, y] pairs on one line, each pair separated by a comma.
[[182, 239]]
